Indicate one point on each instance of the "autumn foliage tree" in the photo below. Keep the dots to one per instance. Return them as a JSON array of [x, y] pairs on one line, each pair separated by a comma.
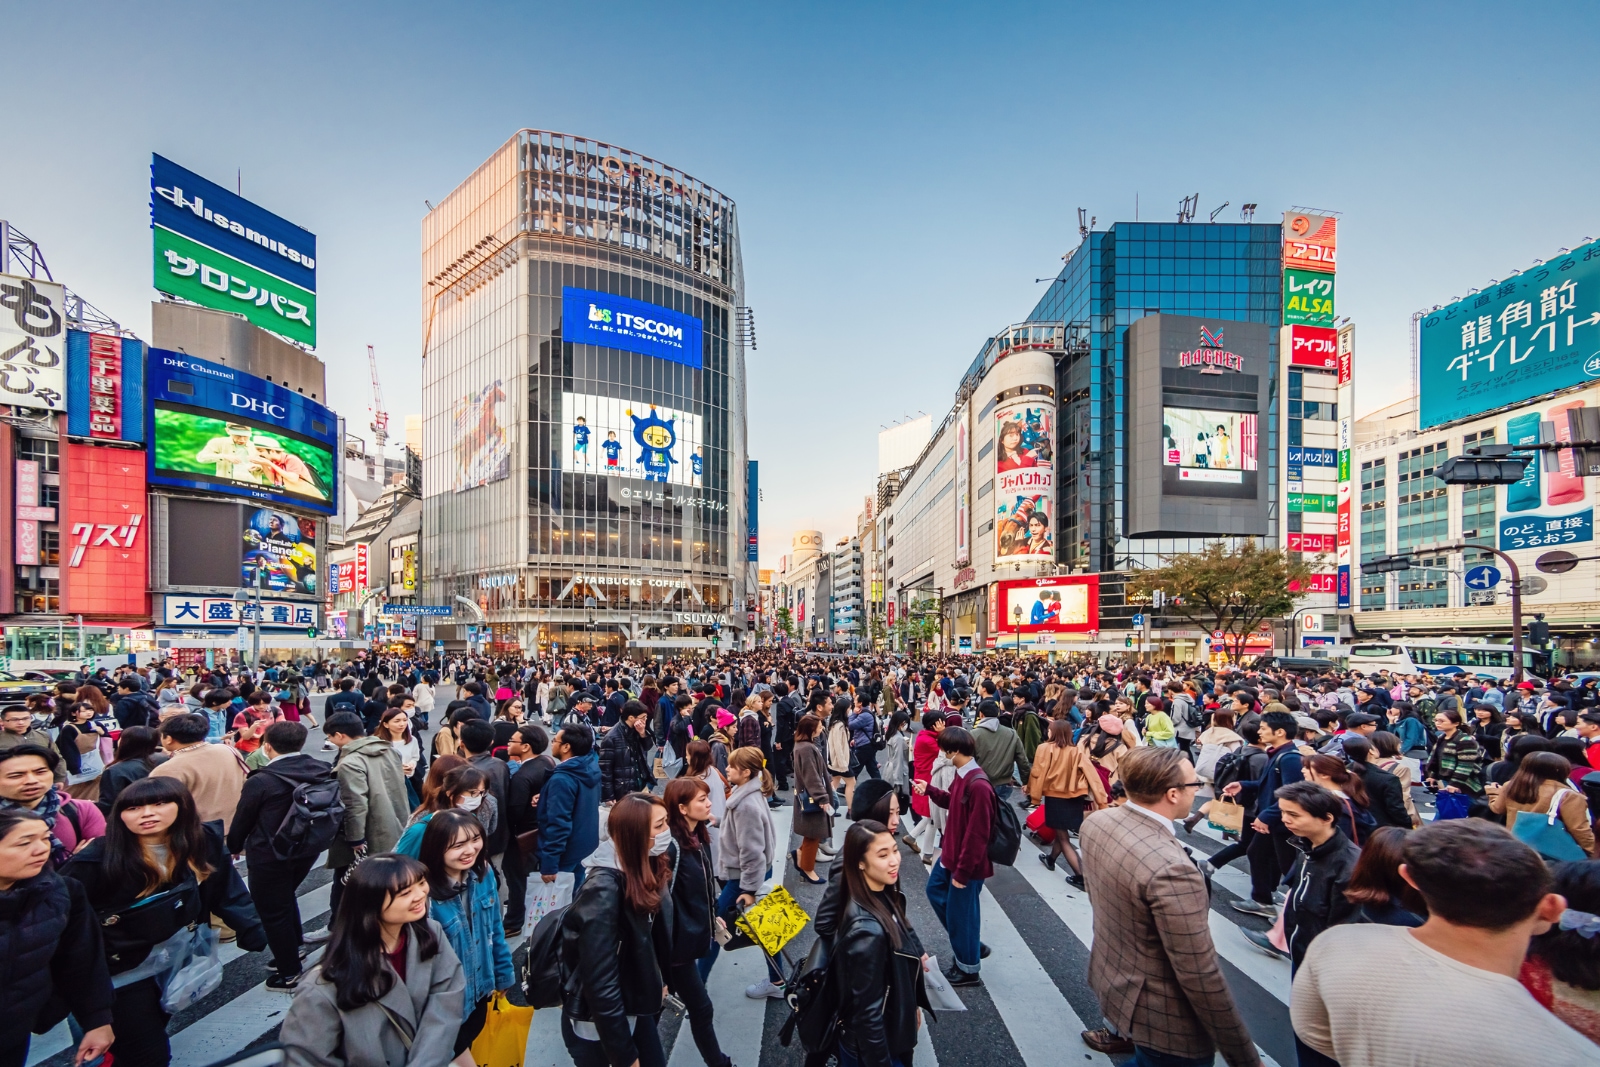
[[1228, 589]]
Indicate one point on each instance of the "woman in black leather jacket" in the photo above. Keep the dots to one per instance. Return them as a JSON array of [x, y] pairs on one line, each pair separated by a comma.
[[157, 847], [686, 936], [875, 799], [608, 942], [877, 958]]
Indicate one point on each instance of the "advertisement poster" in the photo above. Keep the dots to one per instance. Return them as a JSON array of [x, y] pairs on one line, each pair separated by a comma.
[[1535, 333], [593, 318], [963, 485], [103, 532], [33, 343], [283, 548], [240, 452], [1069, 604], [1209, 446], [630, 439], [1307, 298], [483, 447], [1024, 479]]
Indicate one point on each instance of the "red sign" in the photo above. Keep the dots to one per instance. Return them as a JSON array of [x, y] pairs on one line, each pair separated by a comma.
[[1344, 518], [1314, 346], [1311, 542], [891, 612], [1310, 242], [107, 571], [1065, 605], [1319, 583], [361, 567], [1347, 352], [105, 386]]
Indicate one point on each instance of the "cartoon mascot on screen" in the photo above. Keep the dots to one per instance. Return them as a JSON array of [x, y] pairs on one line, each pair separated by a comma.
[[656, 437]]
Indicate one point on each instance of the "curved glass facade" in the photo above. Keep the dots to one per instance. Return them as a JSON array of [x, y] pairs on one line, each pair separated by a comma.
[[579, 493]]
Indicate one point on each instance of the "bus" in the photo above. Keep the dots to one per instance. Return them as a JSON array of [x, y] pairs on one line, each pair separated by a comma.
[[1445, 657]]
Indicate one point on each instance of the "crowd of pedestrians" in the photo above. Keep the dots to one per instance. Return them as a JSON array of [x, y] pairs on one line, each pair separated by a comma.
[[145, 818]]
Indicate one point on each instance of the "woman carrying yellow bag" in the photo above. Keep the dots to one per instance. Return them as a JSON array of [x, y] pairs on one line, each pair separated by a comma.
[[504, 1037]]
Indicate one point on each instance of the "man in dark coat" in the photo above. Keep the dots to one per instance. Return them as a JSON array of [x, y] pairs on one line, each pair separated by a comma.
[[625, 764]]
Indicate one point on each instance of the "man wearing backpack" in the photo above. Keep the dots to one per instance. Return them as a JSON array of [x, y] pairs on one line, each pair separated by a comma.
[[265, 803], [955, 885], [345, 699]]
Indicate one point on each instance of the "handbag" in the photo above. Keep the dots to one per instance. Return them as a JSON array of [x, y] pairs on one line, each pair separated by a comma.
[[1223, 814], [1452, 806], [1546, 834], [504, 1038], [155, 918], [807, 805]]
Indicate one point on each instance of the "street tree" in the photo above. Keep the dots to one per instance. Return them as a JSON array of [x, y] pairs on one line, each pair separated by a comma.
[[785, 622], [1228, 589]]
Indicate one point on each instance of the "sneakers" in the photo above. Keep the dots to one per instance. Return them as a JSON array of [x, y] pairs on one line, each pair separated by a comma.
[[316, 937], [764, 990], [957, 977], [1250, 907], [1048, 859], [1076, 881], [281, 983], [1262, 942], [1280, 896], [1206, 868]]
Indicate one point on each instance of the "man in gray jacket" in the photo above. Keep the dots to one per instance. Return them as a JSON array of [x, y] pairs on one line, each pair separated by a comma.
[[999, 750], [373, 785]]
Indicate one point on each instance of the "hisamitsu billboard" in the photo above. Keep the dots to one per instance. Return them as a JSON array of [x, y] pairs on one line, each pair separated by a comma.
[[1533, 334], [203, 211], [593, 318]]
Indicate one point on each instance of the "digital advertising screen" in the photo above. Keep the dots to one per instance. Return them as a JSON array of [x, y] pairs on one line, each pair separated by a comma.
[[1068, 604], [1024, 478], [630, 439], [283, 548], [1214, 450], [216, 429]]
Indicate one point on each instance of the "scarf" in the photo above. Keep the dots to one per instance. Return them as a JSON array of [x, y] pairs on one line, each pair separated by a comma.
[[49, 807]]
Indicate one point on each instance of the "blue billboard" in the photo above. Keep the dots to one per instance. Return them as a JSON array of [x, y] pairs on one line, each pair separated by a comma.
[[752, 503], [203, 211], [592, 318], [1533, 334], [219, 430], [105, 387], [1313, 457]]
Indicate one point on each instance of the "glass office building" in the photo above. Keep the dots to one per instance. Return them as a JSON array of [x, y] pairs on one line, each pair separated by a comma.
[[1113, 278], [584, 483]]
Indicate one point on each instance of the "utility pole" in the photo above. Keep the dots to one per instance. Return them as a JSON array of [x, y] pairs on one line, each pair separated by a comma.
[[1403, 561]]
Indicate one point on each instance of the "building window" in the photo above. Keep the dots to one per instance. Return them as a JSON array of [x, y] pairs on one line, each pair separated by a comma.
[[1422, 515], [42, 597], [45, 452], [1425, 584]]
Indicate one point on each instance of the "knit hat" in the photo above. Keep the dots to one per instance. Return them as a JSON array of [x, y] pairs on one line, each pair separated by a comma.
[[867, 795], [1111, 724]]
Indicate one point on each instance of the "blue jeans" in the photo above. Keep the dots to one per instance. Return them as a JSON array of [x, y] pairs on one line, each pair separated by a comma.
[[960, 913], [725, 899], [1149, 1057]]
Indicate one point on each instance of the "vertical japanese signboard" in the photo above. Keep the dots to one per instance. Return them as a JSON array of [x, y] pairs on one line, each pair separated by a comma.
[[33, 336], [105, 387], [963, 485], [361, 568], [29, 513], [1537, 332], [106, 555], [1024, 478], [1344, 554]]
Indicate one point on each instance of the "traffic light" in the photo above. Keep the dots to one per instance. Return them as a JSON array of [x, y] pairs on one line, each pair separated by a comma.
[[1539, 633], [311, 632], [1484, 465], [1385, 564], [1127, 642]]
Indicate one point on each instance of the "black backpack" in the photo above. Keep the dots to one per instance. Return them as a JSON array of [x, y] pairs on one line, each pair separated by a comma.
[[314, 818], [544, 978], [1005, 838], [1227, 769], [813, 998]]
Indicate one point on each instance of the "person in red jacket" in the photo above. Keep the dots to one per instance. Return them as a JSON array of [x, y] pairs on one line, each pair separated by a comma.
[[924, 750], [955, 885]]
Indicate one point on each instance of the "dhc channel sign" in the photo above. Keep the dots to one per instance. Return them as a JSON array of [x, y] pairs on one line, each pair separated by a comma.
[[592, 318]]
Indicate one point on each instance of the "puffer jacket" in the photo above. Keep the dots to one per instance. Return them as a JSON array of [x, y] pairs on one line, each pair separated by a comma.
[[880, 986], [624, 763], [609, 950], [471, 921], [51, 958]]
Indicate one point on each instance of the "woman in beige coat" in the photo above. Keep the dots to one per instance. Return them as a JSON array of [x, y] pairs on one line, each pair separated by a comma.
[[1540, 776], [1066, 783]]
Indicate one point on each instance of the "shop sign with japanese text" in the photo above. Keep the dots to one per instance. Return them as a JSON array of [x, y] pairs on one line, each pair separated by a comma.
[[190, 270], [1313, 346], [106, 547], [1533, 334], [33, 343], [181, 610], [1310, 242], [1543, 531], [1307, 298]]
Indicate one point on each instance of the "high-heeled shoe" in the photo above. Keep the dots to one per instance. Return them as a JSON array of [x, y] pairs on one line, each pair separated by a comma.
[[809, 879]]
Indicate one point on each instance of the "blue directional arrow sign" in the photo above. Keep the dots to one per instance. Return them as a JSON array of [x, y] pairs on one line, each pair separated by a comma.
[[1138, 620], [1482, 577]]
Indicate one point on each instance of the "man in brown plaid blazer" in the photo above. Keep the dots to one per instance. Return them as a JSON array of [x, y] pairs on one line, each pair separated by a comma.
[[1153, 965]]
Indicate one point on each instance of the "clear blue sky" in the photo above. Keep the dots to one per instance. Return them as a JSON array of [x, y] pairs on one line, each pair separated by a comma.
[[903, 171]]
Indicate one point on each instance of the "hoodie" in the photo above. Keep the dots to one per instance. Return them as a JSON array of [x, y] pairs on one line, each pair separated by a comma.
[[998, 751], [569, 814]]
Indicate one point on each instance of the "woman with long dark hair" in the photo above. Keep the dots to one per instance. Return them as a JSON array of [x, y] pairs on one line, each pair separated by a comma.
[[813, 798], [877, 957], [138, 751], [388, 992], [78, 739], [462, 787], [1541, 782], [464, 897], [610, 1010], [158, 854], [1333, 774], [694, 897], [1376, 888]]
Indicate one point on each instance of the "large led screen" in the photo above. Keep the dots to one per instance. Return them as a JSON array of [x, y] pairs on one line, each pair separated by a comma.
[[630, 439], [1069, 604], [252, 457], [483, 447], [1209, 450], [1024, 478], [283, 548]]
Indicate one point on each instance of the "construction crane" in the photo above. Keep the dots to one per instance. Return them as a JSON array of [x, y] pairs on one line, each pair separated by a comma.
[[380, 417]]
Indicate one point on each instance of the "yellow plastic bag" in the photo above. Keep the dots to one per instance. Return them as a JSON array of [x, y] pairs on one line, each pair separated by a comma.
[[774, 920], [504, 1037]]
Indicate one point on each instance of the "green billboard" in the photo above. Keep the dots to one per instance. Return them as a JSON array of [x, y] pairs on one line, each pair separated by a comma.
[[1531, 335], [1307, 298], [202, 275]]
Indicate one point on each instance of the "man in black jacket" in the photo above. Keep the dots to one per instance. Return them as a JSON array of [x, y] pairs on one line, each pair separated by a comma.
[[263, 802], [625, 765], [345, 699], [477, 741], [1385, 794], [133, 708], [785, 713], [527, 747]]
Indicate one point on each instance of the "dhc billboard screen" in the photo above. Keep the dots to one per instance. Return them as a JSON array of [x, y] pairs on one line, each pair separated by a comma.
[[592, 318], [220, 430]]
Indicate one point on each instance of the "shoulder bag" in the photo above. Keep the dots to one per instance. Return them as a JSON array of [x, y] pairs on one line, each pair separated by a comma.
[[1546, 834]]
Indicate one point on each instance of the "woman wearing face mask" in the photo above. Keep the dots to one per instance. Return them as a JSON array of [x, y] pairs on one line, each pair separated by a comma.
[[465, 788], [50, 940], [156, 846], [388, 992], [694, 898], [465, 901], [610, 1010], [877, 957]]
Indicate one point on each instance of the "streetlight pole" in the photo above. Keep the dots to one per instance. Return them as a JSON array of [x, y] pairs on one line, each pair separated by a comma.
[[1016, 622]]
